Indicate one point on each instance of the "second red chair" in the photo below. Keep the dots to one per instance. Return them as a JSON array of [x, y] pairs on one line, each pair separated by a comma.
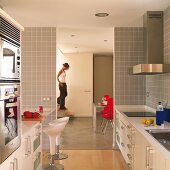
[[108, 113]]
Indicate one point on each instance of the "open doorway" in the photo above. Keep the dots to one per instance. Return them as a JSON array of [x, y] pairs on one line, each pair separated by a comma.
[[103, 76], [83, 87]]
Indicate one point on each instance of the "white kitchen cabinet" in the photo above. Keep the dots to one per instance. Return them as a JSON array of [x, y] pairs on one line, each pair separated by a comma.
[[32, 148], [156, 159], [140, 150], [138, 153], [27, 152], [147, 157], [29, 155], [13, 162], [167, 164], [125, 135]]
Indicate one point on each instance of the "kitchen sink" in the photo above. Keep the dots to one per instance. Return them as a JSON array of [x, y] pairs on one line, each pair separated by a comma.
[[162, 136]]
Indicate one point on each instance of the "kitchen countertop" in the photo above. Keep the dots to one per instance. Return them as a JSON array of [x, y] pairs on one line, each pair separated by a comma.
[[46, 111], [27, 125], [136, 122], [134, 108]]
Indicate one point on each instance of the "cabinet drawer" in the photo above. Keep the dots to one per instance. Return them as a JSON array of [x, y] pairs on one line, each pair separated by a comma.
[[117, 123], [121, 117], [37, 161], [130, 136], [127, 156], [37, 142], [117, 138]]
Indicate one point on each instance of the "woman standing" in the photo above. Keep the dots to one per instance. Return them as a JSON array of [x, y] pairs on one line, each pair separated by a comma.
[[61, 77]]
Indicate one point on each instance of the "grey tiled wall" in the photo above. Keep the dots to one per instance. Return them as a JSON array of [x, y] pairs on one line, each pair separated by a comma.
[[38, 69], [129, 51], [159, 85]]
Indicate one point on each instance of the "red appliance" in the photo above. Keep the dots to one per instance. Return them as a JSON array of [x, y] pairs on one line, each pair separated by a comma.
[[28, 114]]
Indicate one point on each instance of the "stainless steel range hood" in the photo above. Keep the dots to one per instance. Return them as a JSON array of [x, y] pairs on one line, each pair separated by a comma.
[[149, 69], [153, 45]]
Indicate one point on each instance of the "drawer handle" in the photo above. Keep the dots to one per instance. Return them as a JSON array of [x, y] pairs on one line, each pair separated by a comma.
[[129, 136], [129, 156], [129, 165], [129, 146], [26, 146], [15, 164], [122, 144], [129, 126], [12, 165]]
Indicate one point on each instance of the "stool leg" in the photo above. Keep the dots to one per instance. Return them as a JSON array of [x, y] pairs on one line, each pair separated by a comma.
[[58, 155], [112, 123], [104, 129], [102, 123], [52, 165]]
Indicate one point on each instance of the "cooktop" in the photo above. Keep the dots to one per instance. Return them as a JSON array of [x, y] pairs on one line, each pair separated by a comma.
[[139, 114]]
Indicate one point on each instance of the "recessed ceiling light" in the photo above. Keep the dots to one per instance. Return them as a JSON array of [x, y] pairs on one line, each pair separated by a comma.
[[101, 14], [73, 35]]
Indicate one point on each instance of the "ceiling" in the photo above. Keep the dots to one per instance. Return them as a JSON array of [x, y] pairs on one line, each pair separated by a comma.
[[95, 40], [76, 17]]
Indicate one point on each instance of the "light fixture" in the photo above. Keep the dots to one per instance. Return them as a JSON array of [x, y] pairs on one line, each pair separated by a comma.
[[73, 35], [101, 14], [105, 40]]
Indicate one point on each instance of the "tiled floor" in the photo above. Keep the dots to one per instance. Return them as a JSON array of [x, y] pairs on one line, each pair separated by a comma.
[[79, 134]]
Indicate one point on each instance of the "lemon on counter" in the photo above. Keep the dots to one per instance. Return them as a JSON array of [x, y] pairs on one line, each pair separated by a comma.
[[152, 120], [147, 121], [144, 120]]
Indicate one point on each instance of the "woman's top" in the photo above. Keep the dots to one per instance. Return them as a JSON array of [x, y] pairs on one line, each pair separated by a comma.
[[63, 77]]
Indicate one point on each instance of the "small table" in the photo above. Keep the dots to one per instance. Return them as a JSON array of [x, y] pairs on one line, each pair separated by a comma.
[[96, 106]]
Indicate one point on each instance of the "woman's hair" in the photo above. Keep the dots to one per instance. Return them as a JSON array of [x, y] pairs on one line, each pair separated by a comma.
[[66, 65]]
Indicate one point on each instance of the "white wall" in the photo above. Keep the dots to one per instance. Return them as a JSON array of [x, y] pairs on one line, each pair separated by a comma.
[[79, 81]]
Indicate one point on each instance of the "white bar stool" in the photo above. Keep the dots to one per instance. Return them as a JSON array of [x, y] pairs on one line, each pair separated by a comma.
[[59, 155], [53, 132]]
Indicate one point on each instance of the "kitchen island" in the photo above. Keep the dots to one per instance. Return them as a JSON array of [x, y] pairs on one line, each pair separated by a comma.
[[139, 148]]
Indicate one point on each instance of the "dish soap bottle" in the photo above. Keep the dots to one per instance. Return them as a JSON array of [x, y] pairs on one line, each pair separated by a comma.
[[160, 114], [160, 107]]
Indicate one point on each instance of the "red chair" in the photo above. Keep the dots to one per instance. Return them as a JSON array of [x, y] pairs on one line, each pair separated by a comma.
[[107, 114]]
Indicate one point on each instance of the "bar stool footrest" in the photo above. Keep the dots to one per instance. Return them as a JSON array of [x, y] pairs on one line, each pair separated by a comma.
[[59, 156], [53, 167]]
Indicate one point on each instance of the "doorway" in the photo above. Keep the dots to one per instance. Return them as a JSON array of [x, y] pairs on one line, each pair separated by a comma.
[[103, 76]]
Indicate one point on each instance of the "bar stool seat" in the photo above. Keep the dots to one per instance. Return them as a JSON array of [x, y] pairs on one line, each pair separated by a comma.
[[53, 132], [59, 155]]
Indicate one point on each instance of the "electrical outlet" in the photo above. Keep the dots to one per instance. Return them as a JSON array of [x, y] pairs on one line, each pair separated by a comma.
[[48, 98], [44, 99]]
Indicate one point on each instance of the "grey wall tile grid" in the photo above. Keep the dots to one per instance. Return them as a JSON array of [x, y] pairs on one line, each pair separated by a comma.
[[129, 51], [158, 86], [38, 70]]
